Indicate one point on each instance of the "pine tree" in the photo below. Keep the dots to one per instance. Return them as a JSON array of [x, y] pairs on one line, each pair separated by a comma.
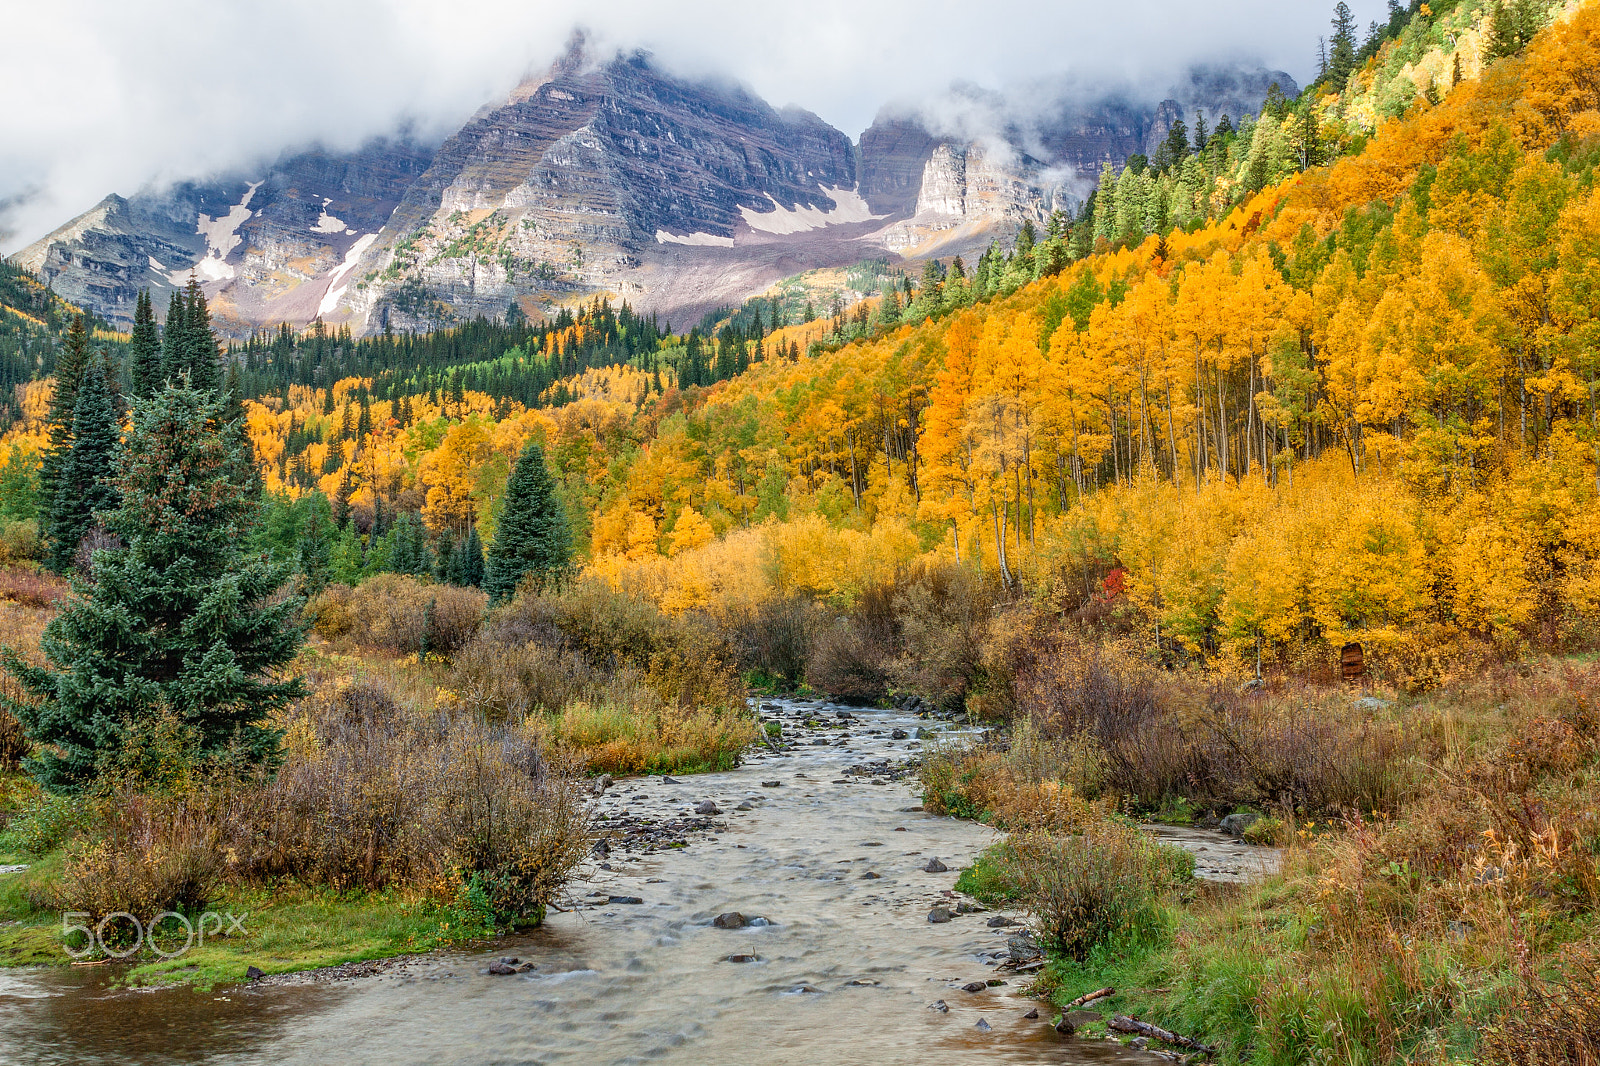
[[314, 552], [177, 622], [84, 490], [199, 343], [1342, 54], [469, 560], [533, 539], [444, 559], [174, 338], [1177, 142], [144, 349], [71, 363]]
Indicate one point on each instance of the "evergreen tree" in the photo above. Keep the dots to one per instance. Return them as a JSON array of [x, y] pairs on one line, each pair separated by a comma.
[[71, 364], [176, 623], [1342, 54], [1177, 142], [144, 349], [345, 562], [408, 546], [533, 539], [444, 559], [199, 343], [84, 488], [174, 338], [314, 552], [469, 561]]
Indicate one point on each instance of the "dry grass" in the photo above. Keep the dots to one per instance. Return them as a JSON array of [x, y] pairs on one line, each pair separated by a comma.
[[619, 739], [31, 588]]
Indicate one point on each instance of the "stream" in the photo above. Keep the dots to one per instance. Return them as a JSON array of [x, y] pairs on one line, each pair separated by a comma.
[[835, 965]]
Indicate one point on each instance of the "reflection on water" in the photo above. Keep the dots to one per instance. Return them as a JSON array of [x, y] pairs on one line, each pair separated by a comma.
[[845, 972]]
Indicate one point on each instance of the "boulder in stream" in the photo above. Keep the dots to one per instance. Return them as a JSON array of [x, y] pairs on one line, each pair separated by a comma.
[[730, 920]]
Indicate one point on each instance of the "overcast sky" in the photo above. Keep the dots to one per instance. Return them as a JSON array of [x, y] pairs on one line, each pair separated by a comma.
[[108, 96]]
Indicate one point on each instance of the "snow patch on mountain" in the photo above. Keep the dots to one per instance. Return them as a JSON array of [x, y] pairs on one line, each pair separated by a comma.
[[327, 223], [222, 237], [699, 240], [849, 207], [336, 290]]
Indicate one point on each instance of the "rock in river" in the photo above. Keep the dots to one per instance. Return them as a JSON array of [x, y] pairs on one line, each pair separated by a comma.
[[935, 867], [707, 807], [730, 920]]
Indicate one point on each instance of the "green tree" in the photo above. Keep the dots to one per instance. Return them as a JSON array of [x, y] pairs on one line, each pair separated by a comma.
[[534, 538], [345, 564], [19, 485], [1342, 54], [71, 363], [179, 622], [174, 338], [314, 552], [468, 561], [144, 350], [84, 488]]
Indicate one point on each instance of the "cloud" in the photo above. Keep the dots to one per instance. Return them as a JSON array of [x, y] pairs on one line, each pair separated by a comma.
[[107, 96]]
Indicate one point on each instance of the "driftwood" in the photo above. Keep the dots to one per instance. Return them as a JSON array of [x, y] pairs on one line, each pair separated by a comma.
[[1090, 998], [1123, 1024]]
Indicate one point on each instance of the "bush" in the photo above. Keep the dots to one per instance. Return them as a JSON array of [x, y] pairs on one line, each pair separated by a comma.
[[14, 746], [31, 588], [372, 795], [1551, 1022], [49, 822], [775, 638], [149, 854], [847, 665], [402, 614], [20, 542], [618, 739], [1096, 888]]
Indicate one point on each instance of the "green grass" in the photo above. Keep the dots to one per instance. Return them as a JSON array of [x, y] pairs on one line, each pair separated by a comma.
[[287, 928]]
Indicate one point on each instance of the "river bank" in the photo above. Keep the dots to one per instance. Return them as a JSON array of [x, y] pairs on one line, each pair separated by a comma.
[[845, 968]]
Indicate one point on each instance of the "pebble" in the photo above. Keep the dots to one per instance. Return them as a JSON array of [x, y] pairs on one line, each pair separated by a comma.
[[871, 875]]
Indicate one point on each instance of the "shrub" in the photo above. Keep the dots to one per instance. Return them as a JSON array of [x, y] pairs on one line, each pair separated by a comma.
[[148, 854], [404, 615], [1550, 1021], [775, 638], [20, 542], [372, 794], [49, 822], [618, 739], [14, 744], [847, 665], [31, 588], [1095, 888]]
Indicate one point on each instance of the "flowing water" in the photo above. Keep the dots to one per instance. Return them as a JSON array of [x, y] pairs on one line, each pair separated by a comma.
[[845, 970]]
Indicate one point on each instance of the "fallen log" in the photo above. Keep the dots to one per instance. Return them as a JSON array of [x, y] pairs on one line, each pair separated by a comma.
[[1123, 1024], [1090, 998]]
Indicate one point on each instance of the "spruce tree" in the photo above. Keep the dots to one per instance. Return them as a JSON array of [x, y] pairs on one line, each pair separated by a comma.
[[177, 623], [83, 483], [199, 343], [71, 363], [1342, 54], [444, 559], [469, 560], [174, 337], [144, 349], [533, 539]]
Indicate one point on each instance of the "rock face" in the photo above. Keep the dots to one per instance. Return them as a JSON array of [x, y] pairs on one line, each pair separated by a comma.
[[568, 185], [266, 246]]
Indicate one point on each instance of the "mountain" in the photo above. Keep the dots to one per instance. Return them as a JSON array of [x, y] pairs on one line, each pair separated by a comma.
[[267, 247], [959, 187], [611, 177]]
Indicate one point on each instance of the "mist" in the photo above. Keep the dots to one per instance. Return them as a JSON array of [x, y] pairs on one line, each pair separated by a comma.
[[105, 96]]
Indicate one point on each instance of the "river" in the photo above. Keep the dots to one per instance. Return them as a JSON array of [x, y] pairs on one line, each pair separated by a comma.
[[845, 970]]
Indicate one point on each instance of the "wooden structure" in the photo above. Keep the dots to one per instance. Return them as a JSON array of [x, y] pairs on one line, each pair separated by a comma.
[[1352, 662]]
